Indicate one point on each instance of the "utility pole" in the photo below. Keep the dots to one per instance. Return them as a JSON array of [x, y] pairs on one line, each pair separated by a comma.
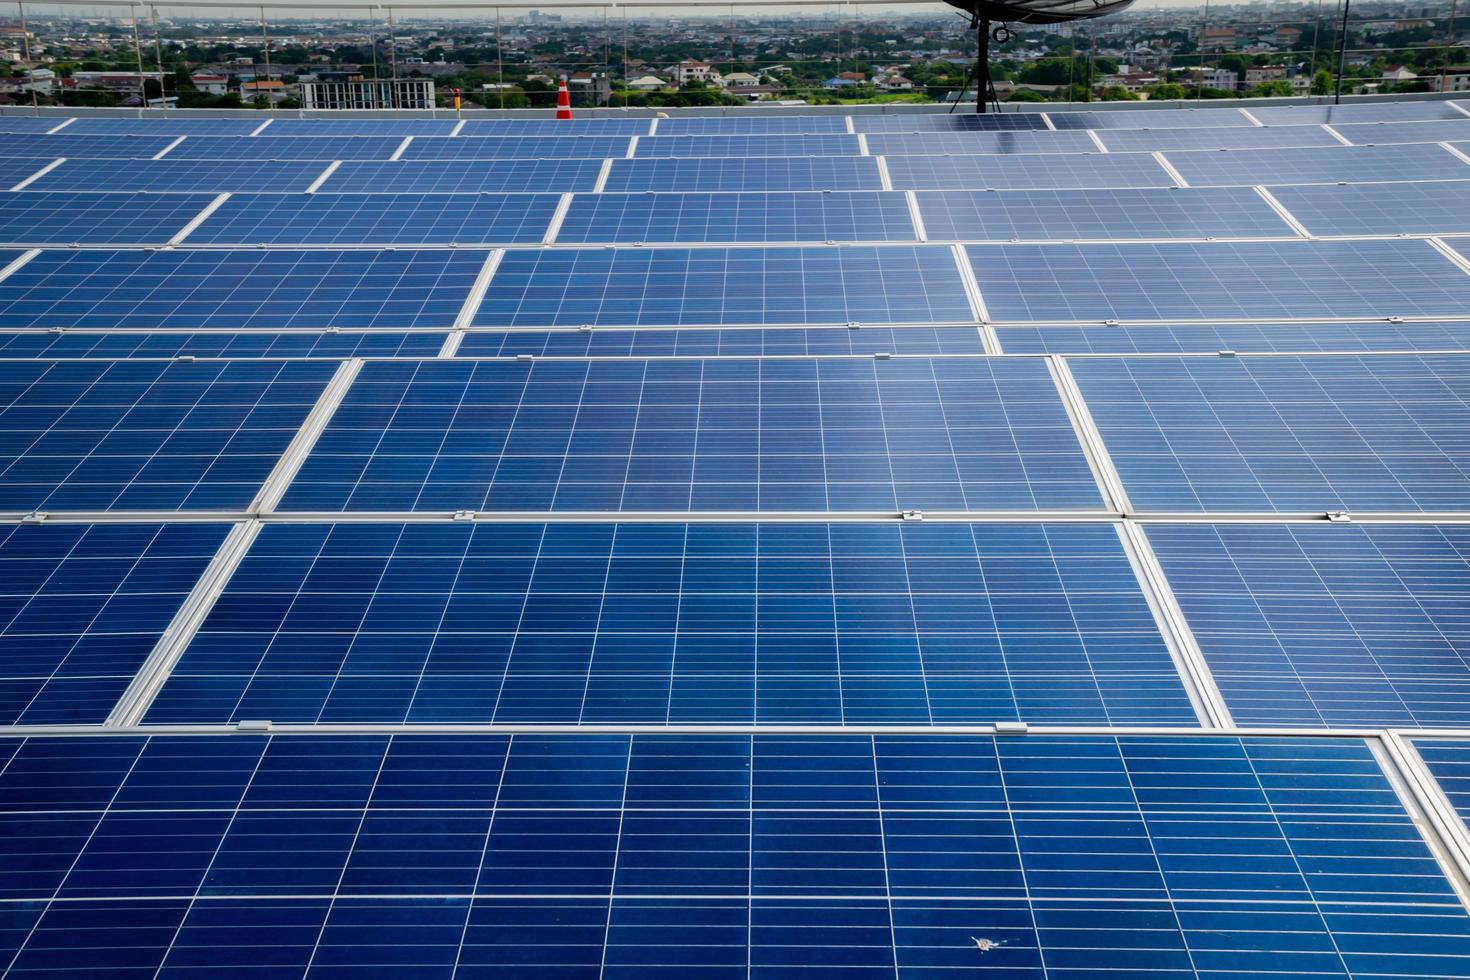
[[1342, 52]]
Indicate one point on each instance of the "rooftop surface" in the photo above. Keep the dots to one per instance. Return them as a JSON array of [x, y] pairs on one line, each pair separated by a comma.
[[908, 545]]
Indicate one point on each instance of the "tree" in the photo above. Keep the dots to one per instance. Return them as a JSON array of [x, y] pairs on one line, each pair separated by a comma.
[[1025, 95], [1322, 82], [1276, 87], [1117, 93], [1166, 90]]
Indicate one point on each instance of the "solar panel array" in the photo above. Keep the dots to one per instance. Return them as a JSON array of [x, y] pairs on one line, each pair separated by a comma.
[[1033, 545]]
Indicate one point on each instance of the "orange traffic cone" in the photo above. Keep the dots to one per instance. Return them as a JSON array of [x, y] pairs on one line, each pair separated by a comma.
[[563, 101]]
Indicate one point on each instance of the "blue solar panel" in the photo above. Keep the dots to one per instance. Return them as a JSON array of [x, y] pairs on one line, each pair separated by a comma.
[[670, 623], [16, 169], [29, 124], [1246, 138], [1360, 113], [1320, 165], [81, 607], [111, 344], [746, 146], [29, 218], [755, 174], [979, 142], [1447, 760], [632, 435], [724, 286], [1328, 625], [1187, 281], [324, 148], [518, 147], [1309, 434], [174, 126], [588, 855], [751, 125], [912, 122], [691, 342], [182, 176], [62, 145], [555, 127], [1264, 338], [739, 217], [162, 435], [468, 177], [377, 219], [275, 289], [1365, 134], [1169, 118], [1212, 212], [398, 127], [1036, 172], [1394, 208]]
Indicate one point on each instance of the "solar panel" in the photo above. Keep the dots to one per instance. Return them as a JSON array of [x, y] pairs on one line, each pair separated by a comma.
[[1199, 281], [1033, 172], [169, 176], [377, 219], [1271, 338], [723, 286], [517, 147], [81, 608], [912, 122], [271, 289], [979, 141], [1321, 625], [850, 173], [1392, 208], [1243, 138], [173, 126], [751, 125], [738, 217], [111, 344], [157, 435], [62, 145], [1214, 212], [1169, 118], [1364, 134], [1320, 165], [29, 124], [1294, 434], [324, 148], [726, 342], [16, 169], [467, 177], [668, 623], [746, 146], [1446, 759], [1360, 113], [660, 435], [587, 854], [398, 127], [30, 218], [555, 127]]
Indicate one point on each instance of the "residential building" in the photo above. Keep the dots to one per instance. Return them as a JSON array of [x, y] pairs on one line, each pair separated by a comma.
[[211, 84], [350, 90], [648, 83]]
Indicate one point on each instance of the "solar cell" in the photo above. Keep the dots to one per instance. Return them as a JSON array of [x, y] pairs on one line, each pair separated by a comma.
[[183, 176], [1363, 134], [1170, 118], [323, 148], [1034, 172], [217, 289], [62, 145], [724, 286], [1187, 281], [1321, 165], [1390, 208], [1361, 113], [160, 435], [29, 124], [29, 218], [173, 126], [669, 623], [1244, 138], [727, 342], [979, 141], [1307, 434], [1327, 625], [16, 169], [1211, 212], [746, 146], [1263, 338], [81, 607], [518, 147], [911, 122], [111, 344], [467, 177], [1446, 759], [850, 173], [555, 127], [751, 125], [587, 854], [738, 217], [712, 435], [398, 127], [377, 219]]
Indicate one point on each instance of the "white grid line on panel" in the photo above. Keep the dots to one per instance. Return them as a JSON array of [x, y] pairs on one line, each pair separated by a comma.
[[1101, 146], [164, 152], [398, 153], [971, 284], [1337, 136], [601, 184], [1456, 151], [1252, 118], [1175, 175], [862, 141], [458, 127], [199, 218], [920, 233], [62, 125], [38, 174], [557, 218], [306, 436], [261, 128], [19, 261], [1109, 483], [1280, 209], [321, 179], [1440, 827], [632, 148]]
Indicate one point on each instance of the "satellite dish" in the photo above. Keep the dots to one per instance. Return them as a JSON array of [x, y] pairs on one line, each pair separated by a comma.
[[1038, 11]]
